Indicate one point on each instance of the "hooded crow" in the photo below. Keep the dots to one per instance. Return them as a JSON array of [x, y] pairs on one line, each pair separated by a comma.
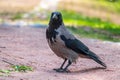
[[66, 45]]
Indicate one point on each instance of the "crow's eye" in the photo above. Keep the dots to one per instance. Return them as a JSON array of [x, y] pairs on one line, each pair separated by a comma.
[[59, 15]]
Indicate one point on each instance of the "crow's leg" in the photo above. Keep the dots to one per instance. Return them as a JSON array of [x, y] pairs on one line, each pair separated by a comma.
[[66, 68], [61, 67]]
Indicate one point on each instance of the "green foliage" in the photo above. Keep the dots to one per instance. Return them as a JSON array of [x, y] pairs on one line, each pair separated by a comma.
[[5, 71], [20, 68], [93, 33], [78, 20], [72, 18], [17, 16], [17, 68]]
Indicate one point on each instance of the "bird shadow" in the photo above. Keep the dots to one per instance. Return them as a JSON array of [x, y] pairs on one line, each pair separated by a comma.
[[87, 70]]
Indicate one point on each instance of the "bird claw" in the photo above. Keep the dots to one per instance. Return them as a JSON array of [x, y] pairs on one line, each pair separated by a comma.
[[62, 70]]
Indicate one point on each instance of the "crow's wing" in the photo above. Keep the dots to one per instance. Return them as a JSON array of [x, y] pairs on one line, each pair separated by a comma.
[[75, 45]]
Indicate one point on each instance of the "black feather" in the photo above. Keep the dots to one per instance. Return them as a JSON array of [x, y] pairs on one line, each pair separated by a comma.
[[96, 58], [75, 45], [51, 35]]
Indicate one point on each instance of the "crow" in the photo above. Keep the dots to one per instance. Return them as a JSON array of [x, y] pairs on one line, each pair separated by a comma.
[[66, 45]]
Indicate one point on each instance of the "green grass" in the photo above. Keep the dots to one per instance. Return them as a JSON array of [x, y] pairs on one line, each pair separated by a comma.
[[73, 18], [17, 16], [100, 29], [92, 33], [21, 68], [15, 68]]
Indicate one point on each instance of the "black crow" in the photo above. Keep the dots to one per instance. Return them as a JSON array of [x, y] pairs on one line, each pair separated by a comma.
[[66, 45]]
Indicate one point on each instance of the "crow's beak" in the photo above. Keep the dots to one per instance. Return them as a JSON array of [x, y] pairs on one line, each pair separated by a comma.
[[55, 16]]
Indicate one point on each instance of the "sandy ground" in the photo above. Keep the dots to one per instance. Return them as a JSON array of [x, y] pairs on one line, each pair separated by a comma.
[[28, 46]]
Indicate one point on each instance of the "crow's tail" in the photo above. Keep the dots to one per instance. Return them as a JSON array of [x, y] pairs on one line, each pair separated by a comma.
[[96, 58]]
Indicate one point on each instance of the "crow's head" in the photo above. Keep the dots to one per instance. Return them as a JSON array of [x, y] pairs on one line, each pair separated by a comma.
[[55, 20]]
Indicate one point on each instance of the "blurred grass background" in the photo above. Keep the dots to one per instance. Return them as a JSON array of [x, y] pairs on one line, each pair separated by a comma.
[[99, 19]]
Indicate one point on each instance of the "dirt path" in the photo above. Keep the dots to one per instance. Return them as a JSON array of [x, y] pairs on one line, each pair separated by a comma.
[[28, 46]]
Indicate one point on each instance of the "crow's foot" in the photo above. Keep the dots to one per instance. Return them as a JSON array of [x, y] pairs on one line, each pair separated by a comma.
[[62, 70]]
